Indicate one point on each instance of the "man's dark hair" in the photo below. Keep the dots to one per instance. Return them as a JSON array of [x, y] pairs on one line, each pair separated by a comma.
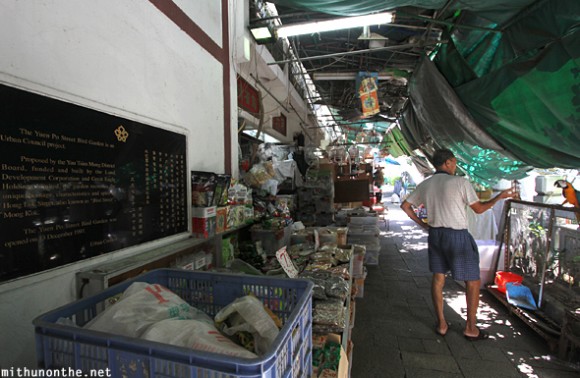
[[441, 156]]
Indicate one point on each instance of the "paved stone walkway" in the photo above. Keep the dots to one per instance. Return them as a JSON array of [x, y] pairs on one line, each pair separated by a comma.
[[394, 333]]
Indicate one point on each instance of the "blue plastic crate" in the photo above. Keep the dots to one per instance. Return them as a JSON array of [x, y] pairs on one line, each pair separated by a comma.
[[64, 346]]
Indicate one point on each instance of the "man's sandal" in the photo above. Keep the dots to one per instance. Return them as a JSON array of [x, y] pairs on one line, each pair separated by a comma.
[[481, 336]]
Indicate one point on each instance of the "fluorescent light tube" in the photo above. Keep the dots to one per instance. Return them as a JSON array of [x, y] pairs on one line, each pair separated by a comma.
[[261, 33], [336, 24]]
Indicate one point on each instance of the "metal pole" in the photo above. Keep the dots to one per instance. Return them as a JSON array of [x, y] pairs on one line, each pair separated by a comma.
[[397, 47], [294, 48], [446, 23], [547, 257], [507, 257]]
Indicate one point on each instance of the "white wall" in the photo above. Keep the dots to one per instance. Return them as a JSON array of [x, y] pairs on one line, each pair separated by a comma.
[[281, 96], [124, 58]]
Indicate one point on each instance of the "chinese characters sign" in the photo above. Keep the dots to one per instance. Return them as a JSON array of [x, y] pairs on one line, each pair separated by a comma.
[[279, 124], [77, 183], [248, 97]]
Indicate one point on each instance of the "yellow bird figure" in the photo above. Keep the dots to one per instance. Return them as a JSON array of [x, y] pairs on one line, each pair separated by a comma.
[[569, 194]]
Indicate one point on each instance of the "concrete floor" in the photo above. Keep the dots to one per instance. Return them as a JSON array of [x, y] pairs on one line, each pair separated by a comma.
[[394, 333]]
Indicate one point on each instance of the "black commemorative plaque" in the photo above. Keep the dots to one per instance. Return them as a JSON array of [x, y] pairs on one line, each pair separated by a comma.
[[76, 183]]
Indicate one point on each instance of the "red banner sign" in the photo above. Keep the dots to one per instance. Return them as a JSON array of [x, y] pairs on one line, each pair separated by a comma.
[[279, 124], [248, 97]]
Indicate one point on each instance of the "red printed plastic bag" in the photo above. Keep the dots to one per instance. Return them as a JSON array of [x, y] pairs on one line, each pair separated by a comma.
[[195, 334], [141, 306]]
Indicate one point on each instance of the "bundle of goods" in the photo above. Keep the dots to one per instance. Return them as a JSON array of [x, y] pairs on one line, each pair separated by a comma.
[[153, 312], [329, 360], [203, 186], [260, 174], [332, 235], [316, 199], [268, 206], [306, 238], [328, 269], [245, 326], [209, 189], [272, 233], [368, 236]]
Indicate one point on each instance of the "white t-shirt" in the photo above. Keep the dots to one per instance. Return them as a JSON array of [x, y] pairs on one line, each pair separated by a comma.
[[446, 199]]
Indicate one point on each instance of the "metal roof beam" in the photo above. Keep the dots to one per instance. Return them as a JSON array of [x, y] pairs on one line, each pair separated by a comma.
[[386, 48]]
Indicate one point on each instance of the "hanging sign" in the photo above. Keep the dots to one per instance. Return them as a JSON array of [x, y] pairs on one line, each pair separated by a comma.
[[248, 97], [370, 103], [279, 124], [368, 95], [286, 262]]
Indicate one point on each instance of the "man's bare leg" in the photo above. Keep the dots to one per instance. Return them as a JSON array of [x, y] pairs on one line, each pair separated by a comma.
[[437, 284], [472, 297]]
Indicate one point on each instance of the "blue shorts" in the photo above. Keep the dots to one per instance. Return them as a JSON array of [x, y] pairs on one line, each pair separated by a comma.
[[455, 251]]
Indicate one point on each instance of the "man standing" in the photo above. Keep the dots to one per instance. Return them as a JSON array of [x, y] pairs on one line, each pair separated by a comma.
[[450, 246], [379, 180]]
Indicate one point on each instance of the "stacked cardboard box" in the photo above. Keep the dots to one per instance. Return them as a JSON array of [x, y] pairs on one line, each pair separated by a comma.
[[204, 222], [316, 199], [363, 230]]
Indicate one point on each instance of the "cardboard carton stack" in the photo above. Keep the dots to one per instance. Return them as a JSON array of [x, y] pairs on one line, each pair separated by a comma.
[[316, 199], [204, 222], [363, 230]]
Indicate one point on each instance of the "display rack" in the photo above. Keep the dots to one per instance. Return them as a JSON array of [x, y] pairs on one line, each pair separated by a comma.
[[218, 241], [540, 248], [346, 332], [100, 277]]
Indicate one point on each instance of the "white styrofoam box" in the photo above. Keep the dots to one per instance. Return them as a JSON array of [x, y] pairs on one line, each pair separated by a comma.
[[203, 212], [502, 185], [362, 240], [545, 185], [372, 255], [358, 259], [488, 251], [487, 276], [554, 199], [359, 281], [363, 221], [488, 254], [367, 235], [363, 230]]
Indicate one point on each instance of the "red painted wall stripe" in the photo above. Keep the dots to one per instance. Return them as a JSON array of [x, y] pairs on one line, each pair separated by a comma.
[[227, 88], [175, 14]]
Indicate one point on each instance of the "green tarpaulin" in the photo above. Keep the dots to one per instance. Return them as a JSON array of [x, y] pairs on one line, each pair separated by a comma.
[[436, 118], [493, 9], [527, 94], [510, 98]]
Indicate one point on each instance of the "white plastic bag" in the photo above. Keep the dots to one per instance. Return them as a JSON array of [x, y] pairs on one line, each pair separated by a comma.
[[194, 334], [247, 314], [141, 306]]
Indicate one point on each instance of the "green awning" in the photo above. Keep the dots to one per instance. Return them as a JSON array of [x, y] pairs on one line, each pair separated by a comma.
[[497, 10], [523, 89]]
